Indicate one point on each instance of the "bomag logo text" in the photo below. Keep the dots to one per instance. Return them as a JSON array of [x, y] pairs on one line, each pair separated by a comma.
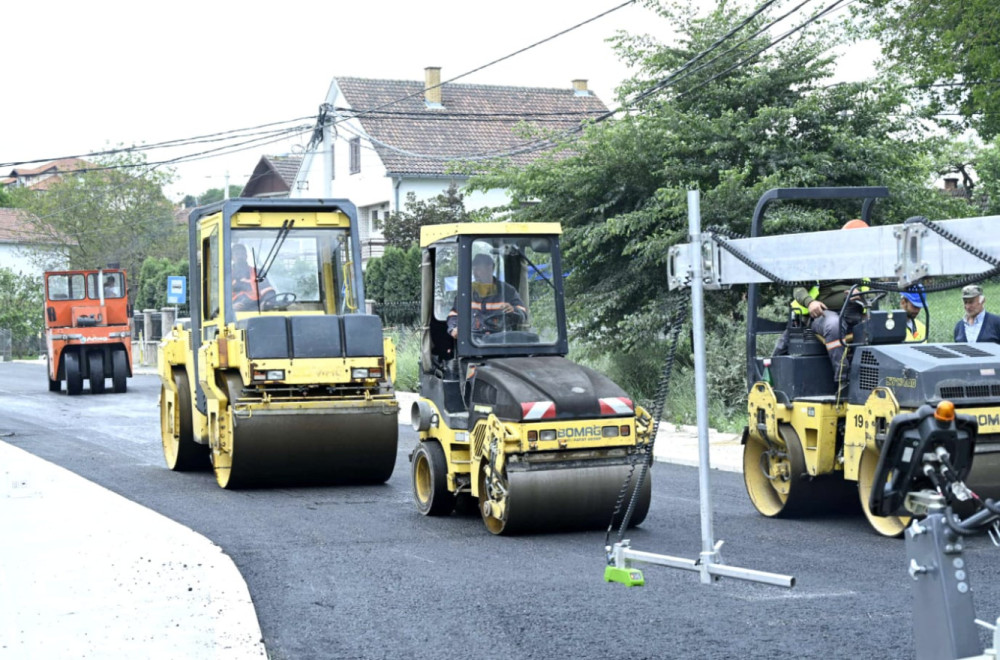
[[988, 420], [582, 432]]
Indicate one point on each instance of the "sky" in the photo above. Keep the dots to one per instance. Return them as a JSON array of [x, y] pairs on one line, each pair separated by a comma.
[[83, 77]]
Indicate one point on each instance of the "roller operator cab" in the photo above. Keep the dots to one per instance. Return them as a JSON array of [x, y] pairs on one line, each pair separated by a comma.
[[507, 425], [279, 377], [88, 330], [806, 444]]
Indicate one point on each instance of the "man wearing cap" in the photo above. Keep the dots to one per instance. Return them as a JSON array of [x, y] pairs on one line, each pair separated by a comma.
[[912, 302], [496, 306], [977, 325]]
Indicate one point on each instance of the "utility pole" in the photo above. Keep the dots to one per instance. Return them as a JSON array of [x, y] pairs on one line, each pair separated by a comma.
[[225, 190], [327, 153]]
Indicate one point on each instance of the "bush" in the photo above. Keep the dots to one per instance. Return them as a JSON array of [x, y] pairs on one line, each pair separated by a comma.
[[21, 311]]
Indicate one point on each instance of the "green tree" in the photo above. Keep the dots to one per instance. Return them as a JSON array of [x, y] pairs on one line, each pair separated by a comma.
[[950, 49], [987, 194], [112, 213], [402, 274], [151, 291], [375, 280], [619, 188], [213, 195], [402, 228], [21, 309]]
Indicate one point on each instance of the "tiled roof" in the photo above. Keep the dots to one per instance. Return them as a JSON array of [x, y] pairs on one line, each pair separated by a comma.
[[52, 169], [274, 175], [287, 167], [15, 229], [62, 165], [474, 120]]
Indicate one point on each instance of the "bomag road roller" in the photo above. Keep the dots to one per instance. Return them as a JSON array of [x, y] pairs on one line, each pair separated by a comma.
[[88, 330], [507, 425], [278, 378], [805, 442]]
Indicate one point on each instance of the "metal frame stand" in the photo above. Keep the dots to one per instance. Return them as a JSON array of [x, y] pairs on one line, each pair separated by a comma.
[[709, 564]]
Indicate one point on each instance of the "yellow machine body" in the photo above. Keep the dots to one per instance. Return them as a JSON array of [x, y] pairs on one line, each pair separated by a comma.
[[291, 388], [508, 426]]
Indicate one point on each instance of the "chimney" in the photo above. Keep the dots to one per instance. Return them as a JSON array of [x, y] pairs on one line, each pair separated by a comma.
[[580, 87], [432, 89]]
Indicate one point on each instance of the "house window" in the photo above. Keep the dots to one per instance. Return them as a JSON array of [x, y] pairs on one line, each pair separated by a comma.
[[355, 155]]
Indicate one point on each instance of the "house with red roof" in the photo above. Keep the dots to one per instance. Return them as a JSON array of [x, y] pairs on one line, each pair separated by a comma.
[[43, 176], [23, 249], [387, 138]]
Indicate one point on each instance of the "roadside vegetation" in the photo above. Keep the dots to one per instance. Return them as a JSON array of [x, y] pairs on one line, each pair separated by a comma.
[[731, 122]]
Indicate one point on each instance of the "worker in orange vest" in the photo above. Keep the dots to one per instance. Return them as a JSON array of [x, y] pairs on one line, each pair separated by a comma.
[[249, 291]]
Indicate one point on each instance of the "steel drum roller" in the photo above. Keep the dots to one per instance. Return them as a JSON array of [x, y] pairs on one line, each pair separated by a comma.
[[572, 497], [338, 445]]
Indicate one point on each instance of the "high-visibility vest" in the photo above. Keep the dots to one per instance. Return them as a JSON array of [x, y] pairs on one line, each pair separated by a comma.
[[918, 333], [814, 291]]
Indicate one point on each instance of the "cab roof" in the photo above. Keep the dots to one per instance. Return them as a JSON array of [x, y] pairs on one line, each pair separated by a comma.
[[430, 234]]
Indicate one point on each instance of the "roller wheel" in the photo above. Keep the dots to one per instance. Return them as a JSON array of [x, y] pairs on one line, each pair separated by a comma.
[[430, 480], [223, 462], [493, 500], [892, 526], [74, 377], [54, 385], [95, 360], [776, 478], [119, 372], [180, 450], [642, 501]]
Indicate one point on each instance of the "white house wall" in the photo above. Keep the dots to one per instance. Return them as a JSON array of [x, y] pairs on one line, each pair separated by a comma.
[[20, 260]]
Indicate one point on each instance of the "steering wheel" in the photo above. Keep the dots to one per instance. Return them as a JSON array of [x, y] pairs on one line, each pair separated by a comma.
[[496, 321], [281, 301]]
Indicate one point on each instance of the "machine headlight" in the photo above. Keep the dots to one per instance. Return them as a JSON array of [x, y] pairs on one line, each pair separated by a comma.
[[270, 374], [548, 434], [610, 431], [361, 373]]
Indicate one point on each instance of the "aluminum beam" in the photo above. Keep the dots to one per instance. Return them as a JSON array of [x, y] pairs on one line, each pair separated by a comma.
[[906, 252]]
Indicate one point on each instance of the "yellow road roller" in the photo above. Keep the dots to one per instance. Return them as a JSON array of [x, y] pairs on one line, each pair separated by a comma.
[[278, 378], [507, 425]]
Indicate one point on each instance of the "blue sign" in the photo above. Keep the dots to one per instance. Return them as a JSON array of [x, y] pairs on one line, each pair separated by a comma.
[[176, 289]]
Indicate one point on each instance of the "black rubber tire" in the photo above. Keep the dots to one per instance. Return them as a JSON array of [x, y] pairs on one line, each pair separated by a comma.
[[119, 372], [95, 360], [430, 480], [74, 377], [54, 385], [802, 496]]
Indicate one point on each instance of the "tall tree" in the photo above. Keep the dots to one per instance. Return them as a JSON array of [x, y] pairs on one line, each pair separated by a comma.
[[950, 49], [21, 305], [732, 130], [112, 213], [402, 228]]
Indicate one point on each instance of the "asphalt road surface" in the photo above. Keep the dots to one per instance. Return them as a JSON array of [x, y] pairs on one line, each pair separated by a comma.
[[356, 572]]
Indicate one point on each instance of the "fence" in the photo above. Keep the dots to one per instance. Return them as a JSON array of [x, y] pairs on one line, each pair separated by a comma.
[[946, 308], [397, 314], [6, 345]]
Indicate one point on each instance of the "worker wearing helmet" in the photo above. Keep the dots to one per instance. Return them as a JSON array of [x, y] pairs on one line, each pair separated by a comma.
[[493, 302], [912, 302], [823, 304], [249, 290]]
